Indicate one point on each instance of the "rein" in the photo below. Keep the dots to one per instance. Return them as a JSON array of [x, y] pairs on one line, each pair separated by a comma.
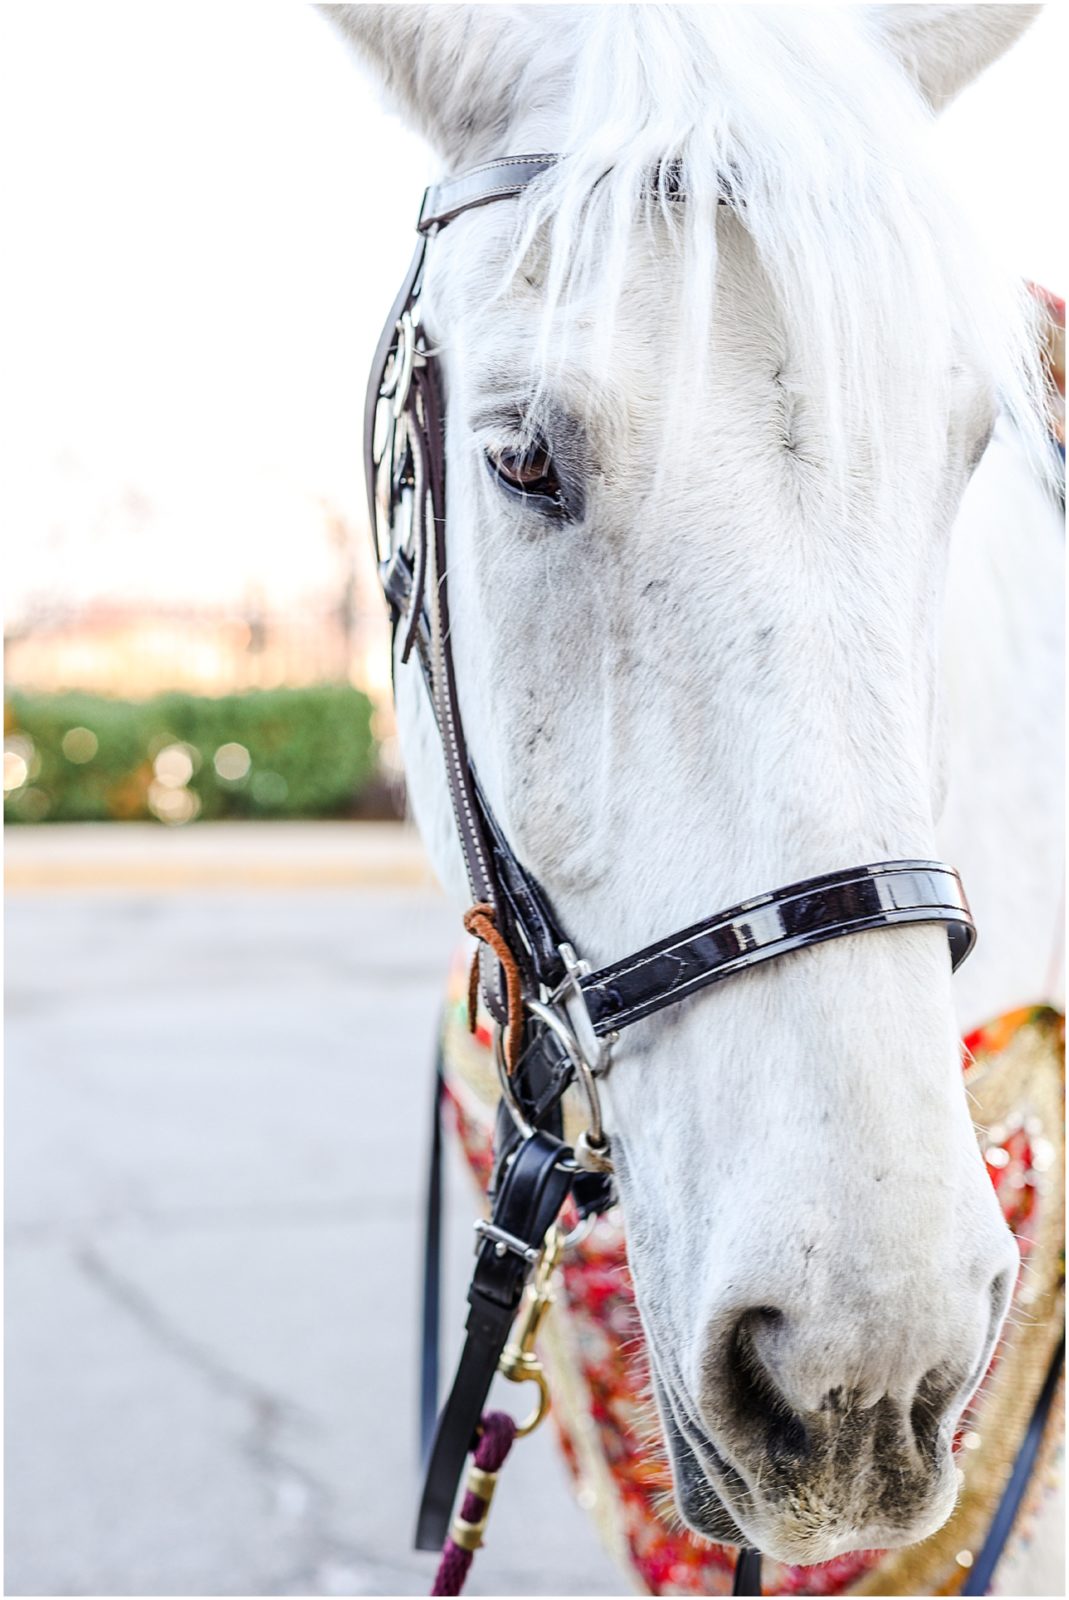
[[557, 1018]]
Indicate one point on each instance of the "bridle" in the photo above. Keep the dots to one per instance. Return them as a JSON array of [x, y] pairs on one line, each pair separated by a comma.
[[557, 1018]]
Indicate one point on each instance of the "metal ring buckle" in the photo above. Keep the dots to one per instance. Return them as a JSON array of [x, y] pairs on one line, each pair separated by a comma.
[[580, 1233], [592, 1146], [556, 1024], [508, 1094]]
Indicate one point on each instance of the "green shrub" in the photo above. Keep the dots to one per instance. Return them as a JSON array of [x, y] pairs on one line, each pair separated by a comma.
[[293, 753]]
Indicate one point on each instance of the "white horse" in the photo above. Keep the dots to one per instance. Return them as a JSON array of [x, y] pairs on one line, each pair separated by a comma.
[[705, 461]]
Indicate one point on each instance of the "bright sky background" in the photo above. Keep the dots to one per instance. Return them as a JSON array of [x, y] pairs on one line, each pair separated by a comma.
[[207, 215]]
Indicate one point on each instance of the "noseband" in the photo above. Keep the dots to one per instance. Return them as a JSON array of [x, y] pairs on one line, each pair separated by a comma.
[[558, 1018]]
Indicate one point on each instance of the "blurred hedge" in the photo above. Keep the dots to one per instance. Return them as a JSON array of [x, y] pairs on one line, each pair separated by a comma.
[[307, 753]]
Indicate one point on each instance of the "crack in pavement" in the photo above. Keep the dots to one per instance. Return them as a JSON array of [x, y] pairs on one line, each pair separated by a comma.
[[296, 1496]]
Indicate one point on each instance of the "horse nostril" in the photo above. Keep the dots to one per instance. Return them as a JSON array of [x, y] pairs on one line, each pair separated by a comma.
[[1001, 1290], [757, 1399], [928, 1411]]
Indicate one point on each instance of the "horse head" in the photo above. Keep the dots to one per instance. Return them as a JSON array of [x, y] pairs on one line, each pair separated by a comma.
[[716, 384]]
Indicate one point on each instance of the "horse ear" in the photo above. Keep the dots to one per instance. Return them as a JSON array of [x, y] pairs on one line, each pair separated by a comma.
[[452, 70], [944, 47]]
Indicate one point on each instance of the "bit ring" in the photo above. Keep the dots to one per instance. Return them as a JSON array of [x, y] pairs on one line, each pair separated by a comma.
[[556, 1024]]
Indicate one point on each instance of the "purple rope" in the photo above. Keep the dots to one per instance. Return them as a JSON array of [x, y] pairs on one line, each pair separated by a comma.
[[496, 1433]]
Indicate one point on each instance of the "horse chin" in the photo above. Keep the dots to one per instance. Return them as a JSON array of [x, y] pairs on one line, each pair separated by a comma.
[[698, 1499]]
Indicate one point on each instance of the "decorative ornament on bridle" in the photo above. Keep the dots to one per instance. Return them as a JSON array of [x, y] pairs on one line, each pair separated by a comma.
[[557, 1019]]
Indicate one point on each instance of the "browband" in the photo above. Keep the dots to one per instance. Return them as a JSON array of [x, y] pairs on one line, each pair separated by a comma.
[[508, 178], [495, 180]]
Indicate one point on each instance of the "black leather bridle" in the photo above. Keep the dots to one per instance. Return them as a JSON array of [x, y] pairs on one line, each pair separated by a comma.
[[570, 1014]]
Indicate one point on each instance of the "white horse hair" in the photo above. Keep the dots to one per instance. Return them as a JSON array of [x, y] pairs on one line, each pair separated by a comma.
[[718, 670], [759, 103]]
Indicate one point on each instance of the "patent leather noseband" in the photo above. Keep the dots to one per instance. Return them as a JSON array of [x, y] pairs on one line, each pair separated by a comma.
[[571, 1012]]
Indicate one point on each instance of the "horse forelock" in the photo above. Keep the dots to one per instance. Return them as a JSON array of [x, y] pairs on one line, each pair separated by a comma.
[[820, 146]]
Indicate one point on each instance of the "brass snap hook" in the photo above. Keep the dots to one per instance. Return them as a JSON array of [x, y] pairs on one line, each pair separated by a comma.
[[519, 1362], [525, 1371]]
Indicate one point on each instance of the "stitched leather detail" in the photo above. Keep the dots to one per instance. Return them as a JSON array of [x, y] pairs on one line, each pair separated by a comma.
[[479, 187]]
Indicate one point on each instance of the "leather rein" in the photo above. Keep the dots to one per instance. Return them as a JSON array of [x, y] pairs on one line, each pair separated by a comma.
[[556, 1017]]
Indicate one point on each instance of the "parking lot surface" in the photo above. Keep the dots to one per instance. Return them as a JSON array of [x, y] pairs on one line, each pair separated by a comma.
[[217, 1124]]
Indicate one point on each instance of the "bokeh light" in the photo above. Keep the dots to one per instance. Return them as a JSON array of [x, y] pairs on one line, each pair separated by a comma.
[[173, 805], [16, 770], [232, 762], [175, 765], [80, 745], [269, 788]]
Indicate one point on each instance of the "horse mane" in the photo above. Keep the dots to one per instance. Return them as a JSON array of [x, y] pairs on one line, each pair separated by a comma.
[[813, 133]]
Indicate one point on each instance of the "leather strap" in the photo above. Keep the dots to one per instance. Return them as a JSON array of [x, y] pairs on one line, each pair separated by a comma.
[[480, 186], [423, 605], [432, 1270], [508, 177], [533, 1188], [747, 1578], [538, 933], [880, 895], [458, 767]]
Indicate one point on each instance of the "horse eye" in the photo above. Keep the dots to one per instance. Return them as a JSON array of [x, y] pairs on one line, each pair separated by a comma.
[[528, 472]]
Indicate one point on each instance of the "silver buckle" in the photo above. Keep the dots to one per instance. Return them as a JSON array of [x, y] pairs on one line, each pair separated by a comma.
[[503, 1242], [568, 993]]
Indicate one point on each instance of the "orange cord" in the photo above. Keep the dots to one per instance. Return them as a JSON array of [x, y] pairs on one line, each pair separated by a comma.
[[480, 922]]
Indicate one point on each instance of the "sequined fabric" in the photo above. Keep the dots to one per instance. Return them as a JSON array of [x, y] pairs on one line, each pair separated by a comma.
[[594, 1352]]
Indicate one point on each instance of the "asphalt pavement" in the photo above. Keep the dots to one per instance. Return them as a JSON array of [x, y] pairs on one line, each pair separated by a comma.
[[217, 1121]]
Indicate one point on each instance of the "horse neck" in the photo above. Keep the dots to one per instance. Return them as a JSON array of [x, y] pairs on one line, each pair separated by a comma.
[[1002, 826]]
